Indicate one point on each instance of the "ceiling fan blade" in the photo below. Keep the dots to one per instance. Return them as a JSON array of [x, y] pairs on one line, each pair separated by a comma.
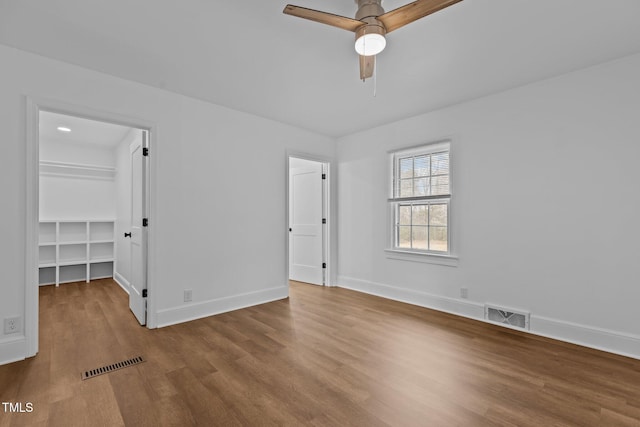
[[408, 13], [367, 64], [323, 17]]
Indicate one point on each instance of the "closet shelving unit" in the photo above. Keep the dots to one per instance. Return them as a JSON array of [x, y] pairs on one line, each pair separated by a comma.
[[75, 250]]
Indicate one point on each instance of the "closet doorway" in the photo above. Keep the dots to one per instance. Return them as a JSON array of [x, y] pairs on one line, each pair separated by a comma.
[[92, 198]]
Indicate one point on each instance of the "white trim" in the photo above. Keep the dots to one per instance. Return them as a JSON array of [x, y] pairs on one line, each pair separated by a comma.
[[154, 221], [78, 219], [460, 307], [425, 257], [622, 343], [215, 306], [120, 280], [32, 230], [13, 349], [423, 148]]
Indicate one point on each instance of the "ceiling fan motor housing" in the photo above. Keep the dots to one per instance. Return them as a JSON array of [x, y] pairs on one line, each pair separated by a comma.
[[368, 11], [371, 27]]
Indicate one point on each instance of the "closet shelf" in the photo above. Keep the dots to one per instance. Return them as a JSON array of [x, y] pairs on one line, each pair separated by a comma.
[[72, 242], [99, 260], [76, 170], [72, 262], [76, 250]]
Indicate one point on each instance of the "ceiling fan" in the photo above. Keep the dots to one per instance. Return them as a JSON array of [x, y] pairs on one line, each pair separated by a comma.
[[372, 24]]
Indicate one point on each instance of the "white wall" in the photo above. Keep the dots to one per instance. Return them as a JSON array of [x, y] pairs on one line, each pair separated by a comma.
[[545, 207], [539, 147], [219, 190], [76, 197], [122, 273]]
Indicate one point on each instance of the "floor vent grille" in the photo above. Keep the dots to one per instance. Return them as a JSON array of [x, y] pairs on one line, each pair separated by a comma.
[[113, 367], [507, 317]]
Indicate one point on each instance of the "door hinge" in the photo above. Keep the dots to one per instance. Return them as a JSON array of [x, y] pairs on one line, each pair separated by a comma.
[[324, 220], [144, 293], [324, 176], [145, 151], [324, 265], [145, 222]]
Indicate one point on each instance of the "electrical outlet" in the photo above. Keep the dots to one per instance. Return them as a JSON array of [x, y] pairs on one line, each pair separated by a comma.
[[464, 293], [188, 293], [12, 325]]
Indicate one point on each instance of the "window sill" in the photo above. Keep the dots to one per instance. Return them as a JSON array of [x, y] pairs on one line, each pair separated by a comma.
[[448, 260]]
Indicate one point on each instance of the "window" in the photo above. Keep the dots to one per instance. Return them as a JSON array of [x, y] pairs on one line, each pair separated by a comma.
[[419, 202]]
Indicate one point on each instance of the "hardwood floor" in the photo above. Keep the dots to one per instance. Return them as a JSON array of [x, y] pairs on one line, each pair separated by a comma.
[[325, 356]]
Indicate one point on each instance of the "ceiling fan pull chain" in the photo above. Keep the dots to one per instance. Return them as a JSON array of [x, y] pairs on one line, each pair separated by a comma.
[[364, 47], [375, 77], [364, 40]]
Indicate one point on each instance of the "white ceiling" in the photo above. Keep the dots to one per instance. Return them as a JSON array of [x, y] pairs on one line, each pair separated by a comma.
[[249, 56], [83, 131]]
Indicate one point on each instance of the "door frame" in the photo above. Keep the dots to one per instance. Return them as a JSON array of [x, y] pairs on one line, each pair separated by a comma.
[[328, 229], [31, 296]]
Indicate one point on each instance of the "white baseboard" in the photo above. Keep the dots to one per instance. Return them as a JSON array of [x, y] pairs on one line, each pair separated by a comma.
[[600, 339], [12, 349], [458, 307], [610, 341], [212, 307], [120, 280]]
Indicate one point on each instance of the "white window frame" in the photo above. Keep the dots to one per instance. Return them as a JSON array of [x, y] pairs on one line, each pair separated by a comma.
[[409, 254]]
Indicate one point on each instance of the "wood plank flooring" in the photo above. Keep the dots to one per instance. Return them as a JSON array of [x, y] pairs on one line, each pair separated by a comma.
[[324, 357]]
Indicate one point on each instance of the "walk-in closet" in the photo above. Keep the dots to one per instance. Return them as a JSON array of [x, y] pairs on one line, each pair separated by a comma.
[[84, 200]]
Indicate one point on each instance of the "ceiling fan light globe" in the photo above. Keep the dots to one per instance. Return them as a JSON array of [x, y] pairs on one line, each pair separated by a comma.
[[370, 44]]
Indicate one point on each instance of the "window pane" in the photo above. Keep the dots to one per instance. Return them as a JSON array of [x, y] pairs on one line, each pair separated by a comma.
[[421, 166], [419, 235], [440, 185], [421, 187], [404, 236], [440, 164], [404, 215], [406, 188], [438, 215], [406, 167], [420, 215], [438, 239], [421, 222]]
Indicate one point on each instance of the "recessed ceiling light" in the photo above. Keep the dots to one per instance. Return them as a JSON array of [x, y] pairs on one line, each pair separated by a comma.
[[64, 129]]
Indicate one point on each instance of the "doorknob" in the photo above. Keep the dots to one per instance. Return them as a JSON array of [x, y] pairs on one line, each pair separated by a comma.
[[127, 234], [290, 229]]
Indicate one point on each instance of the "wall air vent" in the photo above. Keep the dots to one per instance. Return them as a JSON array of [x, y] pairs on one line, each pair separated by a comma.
[[507, 317]]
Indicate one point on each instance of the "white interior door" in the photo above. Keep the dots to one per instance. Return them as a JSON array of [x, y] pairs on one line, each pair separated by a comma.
[[137, 294], [305, 223]]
